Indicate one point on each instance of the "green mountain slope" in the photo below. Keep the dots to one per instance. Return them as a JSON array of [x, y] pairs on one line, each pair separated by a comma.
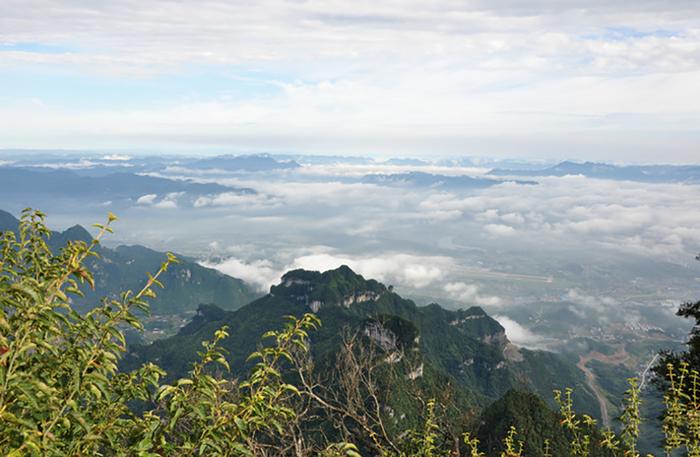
[[466, 349], [534, 421], [125, 267], [189, 284]]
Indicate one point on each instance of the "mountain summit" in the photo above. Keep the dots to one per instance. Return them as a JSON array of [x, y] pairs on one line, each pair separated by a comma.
[[465, 349], [340, 287]]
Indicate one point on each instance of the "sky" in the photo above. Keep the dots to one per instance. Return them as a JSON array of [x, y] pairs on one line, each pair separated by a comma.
[[587, 80]]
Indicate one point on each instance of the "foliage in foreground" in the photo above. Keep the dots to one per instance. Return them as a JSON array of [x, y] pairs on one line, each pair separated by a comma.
[[61, 392]]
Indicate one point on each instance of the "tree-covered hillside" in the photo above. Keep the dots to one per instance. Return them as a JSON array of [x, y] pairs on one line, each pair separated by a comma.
[[125, 267], [466, 349]]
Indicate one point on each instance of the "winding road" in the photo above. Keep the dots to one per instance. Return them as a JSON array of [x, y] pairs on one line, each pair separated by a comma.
[[620, 356]]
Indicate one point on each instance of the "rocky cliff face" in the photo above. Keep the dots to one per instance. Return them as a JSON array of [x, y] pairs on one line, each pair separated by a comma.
[[380, 335]]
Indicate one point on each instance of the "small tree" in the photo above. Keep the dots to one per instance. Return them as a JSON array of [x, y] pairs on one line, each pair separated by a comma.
[[691, 356], [61, 392]]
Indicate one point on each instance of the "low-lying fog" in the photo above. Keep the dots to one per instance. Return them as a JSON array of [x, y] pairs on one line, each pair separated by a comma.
[[605, 253]]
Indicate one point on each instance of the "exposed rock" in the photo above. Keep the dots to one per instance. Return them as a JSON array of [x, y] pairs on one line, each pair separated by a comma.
[[385, 338], [496, 339], [315, 305], [389, 411], [394, 357], [186, 275], [467, 318], [512, 353], [415, 374], [360, 297], [289, 282]]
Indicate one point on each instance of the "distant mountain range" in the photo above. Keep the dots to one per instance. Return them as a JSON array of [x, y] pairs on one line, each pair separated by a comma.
[[491, 162], [421, 179], [116, 171], [307, 159], [61, 183], [257, 162], [94, 164], [644, 173], [438, 350], [125, 268], [402, 161]]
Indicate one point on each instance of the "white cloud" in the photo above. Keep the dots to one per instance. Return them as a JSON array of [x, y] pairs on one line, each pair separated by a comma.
[[116, 157], [560, 213], [632, 217], [513, 218], [499, 230], [589, 301], [518, 334], [82, 164], [165, 204], [470, 293], [259, 273], [169, 201], [202, 32], [399, 269], [438, 76], [358, 171], [408, 270], [147, 199], [236, 199]]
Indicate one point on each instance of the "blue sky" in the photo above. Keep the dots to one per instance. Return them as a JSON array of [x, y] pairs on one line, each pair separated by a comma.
[[542, 79], [85, 91]]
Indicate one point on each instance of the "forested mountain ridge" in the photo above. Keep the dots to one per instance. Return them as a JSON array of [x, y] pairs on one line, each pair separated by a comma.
[[465, 349], [125, 268]]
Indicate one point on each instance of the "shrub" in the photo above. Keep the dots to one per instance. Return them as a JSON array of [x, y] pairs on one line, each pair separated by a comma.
[[61, 392], [60, 389]]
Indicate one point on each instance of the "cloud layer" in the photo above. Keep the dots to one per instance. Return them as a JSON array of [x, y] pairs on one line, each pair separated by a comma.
[[578, 79], [519, 334], [415, 271]]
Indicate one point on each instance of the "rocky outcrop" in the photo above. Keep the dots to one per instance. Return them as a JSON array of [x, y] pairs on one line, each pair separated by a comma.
[[512, 353], [467, 318], [360, 297], [289, 282], [496, 339], [385, 338], [315, 305], [415, 374]]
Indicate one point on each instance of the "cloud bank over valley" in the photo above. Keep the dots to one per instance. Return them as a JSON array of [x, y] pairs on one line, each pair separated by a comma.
[[571, 244]]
